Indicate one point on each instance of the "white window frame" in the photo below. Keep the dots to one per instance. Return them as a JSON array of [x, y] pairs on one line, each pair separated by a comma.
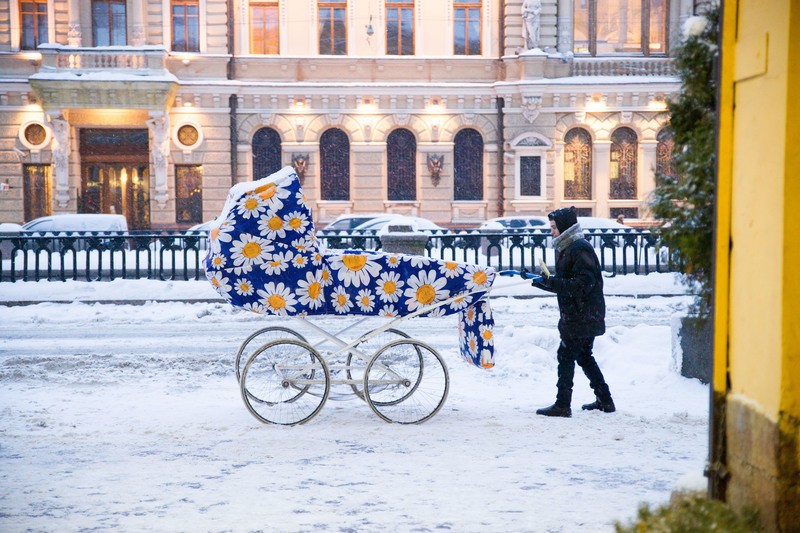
[[530, 145]]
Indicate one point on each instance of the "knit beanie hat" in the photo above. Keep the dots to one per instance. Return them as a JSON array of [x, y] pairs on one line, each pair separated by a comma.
[[565, 218]]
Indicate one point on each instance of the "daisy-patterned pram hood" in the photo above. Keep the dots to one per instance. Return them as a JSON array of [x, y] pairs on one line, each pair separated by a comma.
[[264, 257]]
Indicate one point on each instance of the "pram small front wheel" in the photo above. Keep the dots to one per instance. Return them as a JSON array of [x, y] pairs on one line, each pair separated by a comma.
[[406, 382], [285, 382]]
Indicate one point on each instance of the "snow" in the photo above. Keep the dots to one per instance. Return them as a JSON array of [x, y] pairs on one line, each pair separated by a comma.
[[128, 417]]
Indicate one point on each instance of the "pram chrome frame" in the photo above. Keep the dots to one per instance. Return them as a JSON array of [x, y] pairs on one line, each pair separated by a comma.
[[286, 381]]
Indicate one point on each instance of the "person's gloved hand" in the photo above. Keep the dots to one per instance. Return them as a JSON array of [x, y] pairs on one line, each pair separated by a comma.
[[524, 273]]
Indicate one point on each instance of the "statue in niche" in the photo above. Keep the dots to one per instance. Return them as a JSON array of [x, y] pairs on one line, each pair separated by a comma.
[[300, 165], [435, 163], [531, 15]]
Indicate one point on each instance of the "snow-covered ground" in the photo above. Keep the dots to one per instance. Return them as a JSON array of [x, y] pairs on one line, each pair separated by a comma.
[[128, 417]]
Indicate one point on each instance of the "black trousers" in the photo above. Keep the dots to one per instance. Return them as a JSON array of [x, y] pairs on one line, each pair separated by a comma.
[[572, 351]]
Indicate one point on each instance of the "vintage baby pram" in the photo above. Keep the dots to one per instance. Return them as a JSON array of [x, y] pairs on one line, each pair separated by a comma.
[[264, 257]]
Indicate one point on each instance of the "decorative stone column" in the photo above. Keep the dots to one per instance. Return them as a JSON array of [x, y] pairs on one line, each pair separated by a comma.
[[60, 149], [159, 136], [565, 21], [74, 27], [647, 180], [138, 28], [601, 163]]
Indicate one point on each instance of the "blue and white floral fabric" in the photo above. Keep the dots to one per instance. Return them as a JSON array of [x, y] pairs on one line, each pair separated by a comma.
[[264, 257]]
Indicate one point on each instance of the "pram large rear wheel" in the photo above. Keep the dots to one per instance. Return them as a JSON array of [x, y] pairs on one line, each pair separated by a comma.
[[264, 335], [406, 382], [285, 382]]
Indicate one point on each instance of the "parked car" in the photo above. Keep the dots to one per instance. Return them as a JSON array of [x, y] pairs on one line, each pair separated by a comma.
[[58, 225], [516, 222], [352, 221], [372, 228]]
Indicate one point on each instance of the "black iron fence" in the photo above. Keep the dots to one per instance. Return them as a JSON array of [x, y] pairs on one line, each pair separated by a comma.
[[178, 255]]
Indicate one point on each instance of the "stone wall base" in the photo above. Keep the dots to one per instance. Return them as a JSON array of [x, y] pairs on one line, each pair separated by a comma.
[[763, 459]]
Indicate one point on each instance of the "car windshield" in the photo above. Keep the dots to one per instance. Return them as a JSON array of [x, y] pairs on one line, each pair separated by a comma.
[[348, 223]]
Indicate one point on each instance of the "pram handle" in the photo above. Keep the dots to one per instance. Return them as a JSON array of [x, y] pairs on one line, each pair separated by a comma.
[[523, 274]]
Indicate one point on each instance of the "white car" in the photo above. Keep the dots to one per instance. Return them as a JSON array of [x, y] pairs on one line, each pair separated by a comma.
[[380, 221], [77, 222], [516, 222]]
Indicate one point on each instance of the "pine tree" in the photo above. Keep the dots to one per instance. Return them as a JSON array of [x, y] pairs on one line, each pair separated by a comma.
[[684, 199]]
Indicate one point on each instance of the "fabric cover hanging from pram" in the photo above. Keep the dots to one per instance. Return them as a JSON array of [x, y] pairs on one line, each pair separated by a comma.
[[264, 257]]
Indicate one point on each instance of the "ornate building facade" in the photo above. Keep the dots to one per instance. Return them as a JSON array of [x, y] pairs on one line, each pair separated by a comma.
[[454, 110]]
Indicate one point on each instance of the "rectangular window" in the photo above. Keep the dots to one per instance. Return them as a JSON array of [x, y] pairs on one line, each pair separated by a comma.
[[185, 26], [264, 28], [657, 34], [33, 24], [400, 27], [189, 194], [333, 27], [621, 213], [109, 23], [36, 191], [467, 27], [604, 27], [530, 176]]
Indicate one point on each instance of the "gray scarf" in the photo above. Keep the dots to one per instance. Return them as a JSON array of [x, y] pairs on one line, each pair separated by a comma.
[[572, 234]]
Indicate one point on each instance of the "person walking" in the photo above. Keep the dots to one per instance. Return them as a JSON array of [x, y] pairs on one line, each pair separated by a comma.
[[578, 285]]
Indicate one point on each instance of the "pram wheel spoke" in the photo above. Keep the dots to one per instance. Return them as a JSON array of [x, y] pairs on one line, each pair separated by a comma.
[[355, 365], [285, 382], [406, 382], [264, 335]]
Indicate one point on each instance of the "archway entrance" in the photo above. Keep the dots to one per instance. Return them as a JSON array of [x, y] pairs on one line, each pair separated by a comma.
[[115, 174]]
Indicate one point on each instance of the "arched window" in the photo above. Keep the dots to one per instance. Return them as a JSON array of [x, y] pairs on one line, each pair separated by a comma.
[[664, 153], [401, 152], [334, 156], [468, 166], [577, 165], [622, 173], [603, 27], [266, 153]]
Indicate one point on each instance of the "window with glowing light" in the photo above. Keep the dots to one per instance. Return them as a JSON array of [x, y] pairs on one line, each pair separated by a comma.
[[36, 191], [334, 159], [467, 27], [664, 150], [109, 23], [185, 25], [401, 153], [468, 165], [33, 24], [399, 27], [578, 165], [603, 27], [189, 194], [333, 27], [264, 28], [622, 172]]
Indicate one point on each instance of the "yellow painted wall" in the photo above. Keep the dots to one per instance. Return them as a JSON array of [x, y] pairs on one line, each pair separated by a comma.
[[758, 190]]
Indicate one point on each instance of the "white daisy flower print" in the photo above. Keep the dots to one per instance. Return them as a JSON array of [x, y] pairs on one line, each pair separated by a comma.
[[393, 261], [419, 261], [341, 300], [296, 221], [424, 289], [250, 206], [277, 298], [326, 278], [487, 335], [243, 287], [272, 226], [460, 303], [487, 358], [221, 235], [272, 195], [303, 243], [310, 292], [355, 269], [300, 260], [218, 261], [316, 258], [472, 343], [438, 312], [477, 277], [254, 307], [389, 287], [388, 311], [250, 250], [469, 315], [220, 282], [365, 300], [451, 269], [277, 263]]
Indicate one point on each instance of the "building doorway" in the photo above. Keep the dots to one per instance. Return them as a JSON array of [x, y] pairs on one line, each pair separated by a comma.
[[115, 174]]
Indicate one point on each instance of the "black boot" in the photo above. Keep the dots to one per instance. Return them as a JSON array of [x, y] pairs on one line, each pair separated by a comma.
[[605, 406], [555, 410]]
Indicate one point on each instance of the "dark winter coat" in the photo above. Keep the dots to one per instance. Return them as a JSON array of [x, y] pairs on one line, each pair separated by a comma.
[[578, 284]]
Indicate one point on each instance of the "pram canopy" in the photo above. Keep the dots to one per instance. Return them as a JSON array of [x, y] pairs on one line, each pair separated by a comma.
[[264, 256]]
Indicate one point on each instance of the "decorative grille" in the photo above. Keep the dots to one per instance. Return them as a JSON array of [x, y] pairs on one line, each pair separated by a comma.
[[622, 172], [401, 151], [266, 153], [468, 166], [578, 165], [334, 153]]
